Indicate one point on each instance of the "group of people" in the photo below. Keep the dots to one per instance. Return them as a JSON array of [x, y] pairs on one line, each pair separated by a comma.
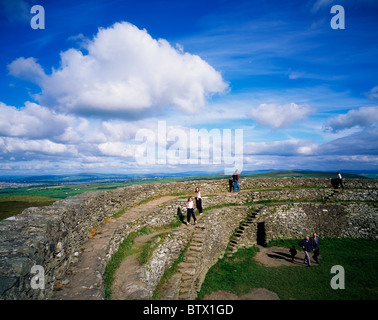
[[307, 245], [190, 207], [234, 182]]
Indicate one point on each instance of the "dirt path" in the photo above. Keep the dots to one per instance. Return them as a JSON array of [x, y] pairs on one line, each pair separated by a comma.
[[279, 256], [84, 280], [126, 285], [269, 257]]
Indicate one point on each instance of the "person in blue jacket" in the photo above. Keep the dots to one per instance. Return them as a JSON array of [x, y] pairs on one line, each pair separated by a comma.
[[307, 247]]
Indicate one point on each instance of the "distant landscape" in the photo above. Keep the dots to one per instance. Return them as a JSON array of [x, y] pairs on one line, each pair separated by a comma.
[[20, 192]]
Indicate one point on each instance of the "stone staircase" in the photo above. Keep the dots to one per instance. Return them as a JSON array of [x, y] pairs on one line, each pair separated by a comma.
[[186, 282], [250, 222], [190, 265], [181, 286]]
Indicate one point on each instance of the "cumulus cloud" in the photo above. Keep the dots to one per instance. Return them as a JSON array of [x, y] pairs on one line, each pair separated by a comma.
[[118, 149], [279, 116], [27, 69], [125, 72], [23, 147], [32, 121], [362, 117]]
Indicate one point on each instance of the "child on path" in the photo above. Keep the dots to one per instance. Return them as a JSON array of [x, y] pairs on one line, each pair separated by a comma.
[[293, 253]]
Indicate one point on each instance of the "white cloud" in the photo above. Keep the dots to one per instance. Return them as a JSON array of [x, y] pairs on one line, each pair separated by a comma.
[[27, 69], [24, 146], [362, 117], [279, 116], [118, 149], [32, 121], [125, 73], [281, 148]]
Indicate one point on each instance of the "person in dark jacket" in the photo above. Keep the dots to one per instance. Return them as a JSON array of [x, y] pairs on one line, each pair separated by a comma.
[[315, 246], [306, 245], [231, 184]]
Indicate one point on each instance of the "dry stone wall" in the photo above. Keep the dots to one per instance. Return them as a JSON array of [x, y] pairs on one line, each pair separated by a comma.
[[52, 236]]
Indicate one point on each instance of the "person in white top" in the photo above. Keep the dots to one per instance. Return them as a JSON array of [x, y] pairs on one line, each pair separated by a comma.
[[190, 210], [340, 179], [198, 201]]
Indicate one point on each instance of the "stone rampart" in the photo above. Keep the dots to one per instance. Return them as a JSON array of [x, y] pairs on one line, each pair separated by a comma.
[[52, 236]]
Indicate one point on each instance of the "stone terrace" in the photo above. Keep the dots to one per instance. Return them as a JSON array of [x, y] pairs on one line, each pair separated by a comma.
[[53, 236]]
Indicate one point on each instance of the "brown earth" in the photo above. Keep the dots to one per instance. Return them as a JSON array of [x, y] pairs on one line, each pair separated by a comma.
[[269, 257]]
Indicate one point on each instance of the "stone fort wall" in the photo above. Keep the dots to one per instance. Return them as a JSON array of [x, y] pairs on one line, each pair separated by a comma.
[[52, 236]]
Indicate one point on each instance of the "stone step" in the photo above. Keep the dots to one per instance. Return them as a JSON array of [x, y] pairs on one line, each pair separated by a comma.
[[185, 296], [184, 290], [190, 259], [186, 277], [195, 249], [188, 285], [186, 265], [190, 272]]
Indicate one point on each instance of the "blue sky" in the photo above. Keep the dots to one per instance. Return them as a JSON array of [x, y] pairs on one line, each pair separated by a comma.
[[74, 95]]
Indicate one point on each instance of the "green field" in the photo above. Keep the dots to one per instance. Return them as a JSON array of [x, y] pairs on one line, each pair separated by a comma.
[[359, 258], [13, 205]]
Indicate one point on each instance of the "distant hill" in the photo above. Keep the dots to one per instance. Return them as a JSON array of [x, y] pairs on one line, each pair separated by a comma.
[[304, 174], [49, 180]]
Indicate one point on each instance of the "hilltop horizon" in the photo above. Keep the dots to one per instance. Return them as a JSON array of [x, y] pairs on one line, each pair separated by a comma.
[[83, 176]]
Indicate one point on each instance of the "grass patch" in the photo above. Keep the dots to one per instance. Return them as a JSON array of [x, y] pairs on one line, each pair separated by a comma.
[[148, 247], [124, 250], [241, 273], [13, 205], [169, 273], [119, 213]]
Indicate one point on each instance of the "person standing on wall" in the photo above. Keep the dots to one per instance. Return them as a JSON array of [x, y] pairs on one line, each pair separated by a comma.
[[340, 178], [306, 245], [315, 247], [198, 200], [190, 210], [235, 177]]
